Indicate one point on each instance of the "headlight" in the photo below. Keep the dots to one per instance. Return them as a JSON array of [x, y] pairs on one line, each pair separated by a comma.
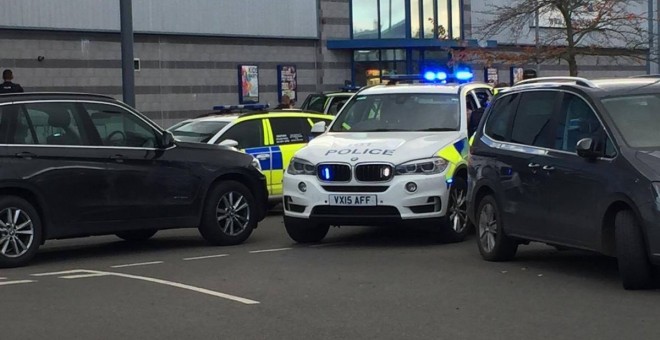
[[255, 163], [299, 166], [426, 166]]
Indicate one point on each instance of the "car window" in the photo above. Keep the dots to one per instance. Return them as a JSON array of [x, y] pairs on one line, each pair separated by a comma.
[[400, 112], [498, 125], [198, 131], [533, 120], [336, 105], [290, 130], [314, 102], [636, 118], [576, 121], [49, 123], [119, 127], [248, 134]]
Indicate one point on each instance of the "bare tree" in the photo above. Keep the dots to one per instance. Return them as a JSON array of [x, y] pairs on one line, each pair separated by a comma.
[[575, 28]]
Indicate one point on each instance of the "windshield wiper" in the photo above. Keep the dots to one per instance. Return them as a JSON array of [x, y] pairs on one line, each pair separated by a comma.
[[438, 129]]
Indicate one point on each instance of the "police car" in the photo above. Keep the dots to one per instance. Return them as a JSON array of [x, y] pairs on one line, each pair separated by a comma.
[[395, 153], [271, 136]]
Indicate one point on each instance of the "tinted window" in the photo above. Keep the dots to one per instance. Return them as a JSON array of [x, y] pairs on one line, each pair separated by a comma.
[[51, 124], [314, 102], [248, 134], [499, 119], [484, 96], [533, 120], [118, 127], [576, 121], [336, 105], [290, 130], [198, 131], [400, 112], [637, 119]]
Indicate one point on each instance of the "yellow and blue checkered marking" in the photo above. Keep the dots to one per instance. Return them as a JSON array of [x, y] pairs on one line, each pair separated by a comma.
[[274, 160]]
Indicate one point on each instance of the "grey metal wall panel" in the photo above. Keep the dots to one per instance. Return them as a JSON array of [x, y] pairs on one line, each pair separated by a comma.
[[267, 18]]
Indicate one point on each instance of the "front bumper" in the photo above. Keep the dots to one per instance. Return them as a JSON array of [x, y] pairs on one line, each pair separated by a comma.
[[394, 204]]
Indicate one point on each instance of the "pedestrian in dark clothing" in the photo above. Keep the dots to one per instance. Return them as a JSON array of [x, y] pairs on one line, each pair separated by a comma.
[[8, 86]]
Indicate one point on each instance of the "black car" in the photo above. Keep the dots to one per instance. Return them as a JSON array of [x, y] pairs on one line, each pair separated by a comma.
[[77, 165], [571, 163]]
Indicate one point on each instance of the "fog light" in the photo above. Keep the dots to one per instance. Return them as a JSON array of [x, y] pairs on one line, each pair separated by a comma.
[[411, 187], [302, 186]]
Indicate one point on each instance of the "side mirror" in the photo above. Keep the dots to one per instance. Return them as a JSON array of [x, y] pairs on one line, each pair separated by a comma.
[[229, 142], [167, 140], [588, 148], [318, 128]]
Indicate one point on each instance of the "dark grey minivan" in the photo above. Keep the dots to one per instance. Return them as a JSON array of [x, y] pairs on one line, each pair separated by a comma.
[[571, 163]]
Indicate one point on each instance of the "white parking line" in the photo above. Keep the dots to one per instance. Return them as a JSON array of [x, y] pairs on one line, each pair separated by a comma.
[[3, 278], [269, 250], [6, 283], [136, 264], [205, 257], [62, 272], [83, 273]]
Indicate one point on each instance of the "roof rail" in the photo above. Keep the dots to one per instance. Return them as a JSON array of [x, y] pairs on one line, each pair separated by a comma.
[[577, 80]]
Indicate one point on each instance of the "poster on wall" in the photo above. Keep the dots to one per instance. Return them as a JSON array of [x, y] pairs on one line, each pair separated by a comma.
[[287, 80], [516, 74], [491, 76], [248, 84]]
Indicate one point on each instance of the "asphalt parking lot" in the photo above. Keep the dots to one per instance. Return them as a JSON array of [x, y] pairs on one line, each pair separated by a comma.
[[360, 283]]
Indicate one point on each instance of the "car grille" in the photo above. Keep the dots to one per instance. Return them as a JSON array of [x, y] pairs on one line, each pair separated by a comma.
[[374, 172], [331, 172], [355, 188], [378, 211]]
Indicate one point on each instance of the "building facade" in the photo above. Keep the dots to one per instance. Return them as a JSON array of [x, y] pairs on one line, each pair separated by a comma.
[[196, 54]]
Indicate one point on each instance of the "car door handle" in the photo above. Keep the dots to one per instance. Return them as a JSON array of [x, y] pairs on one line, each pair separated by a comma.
[[26, 155], [533, 165], [262, 156], [548, 168], [117, 158]]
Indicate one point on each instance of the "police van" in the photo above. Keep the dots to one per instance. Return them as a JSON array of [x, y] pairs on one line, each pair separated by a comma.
[[395, 154]]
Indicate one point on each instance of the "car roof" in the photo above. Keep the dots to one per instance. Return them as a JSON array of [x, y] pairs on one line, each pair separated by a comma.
[[597, 87], [54, 95], [421, 88], [262, 114]]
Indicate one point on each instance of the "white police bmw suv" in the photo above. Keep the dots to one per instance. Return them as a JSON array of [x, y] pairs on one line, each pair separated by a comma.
[[395, 154]]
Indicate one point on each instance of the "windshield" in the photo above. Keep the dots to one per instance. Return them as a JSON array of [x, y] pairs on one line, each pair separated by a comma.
[[200, 132], [399, 112], [637, 118]]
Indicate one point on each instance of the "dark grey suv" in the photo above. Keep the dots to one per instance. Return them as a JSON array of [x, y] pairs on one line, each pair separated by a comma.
[[573, 163], [75, 165]]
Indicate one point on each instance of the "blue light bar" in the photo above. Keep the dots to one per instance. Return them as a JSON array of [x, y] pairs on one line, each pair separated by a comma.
[[242, 107], [441, 76], [350, 88], [430, 76], [464, 75]]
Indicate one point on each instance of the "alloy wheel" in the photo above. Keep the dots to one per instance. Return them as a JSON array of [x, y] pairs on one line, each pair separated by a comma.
[[458, 210], [233, 213], [487, 228], [16, 232]]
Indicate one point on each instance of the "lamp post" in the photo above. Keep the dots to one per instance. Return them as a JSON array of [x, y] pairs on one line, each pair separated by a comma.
[[127, 68]]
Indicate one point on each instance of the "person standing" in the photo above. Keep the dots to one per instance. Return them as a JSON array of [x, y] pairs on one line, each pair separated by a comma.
[[8, 86]]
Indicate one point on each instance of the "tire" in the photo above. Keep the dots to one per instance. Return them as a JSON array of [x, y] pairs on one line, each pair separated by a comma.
[[303, 232], [493, 243], [136, 235], [634, 266], [230, 214], [21, 232], [456, 225]]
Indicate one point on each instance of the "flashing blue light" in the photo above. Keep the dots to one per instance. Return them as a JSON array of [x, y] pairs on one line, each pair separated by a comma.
[[464, 75], [430, 76], [450, 180], [441, 76], [241, 107], [325, 173]]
